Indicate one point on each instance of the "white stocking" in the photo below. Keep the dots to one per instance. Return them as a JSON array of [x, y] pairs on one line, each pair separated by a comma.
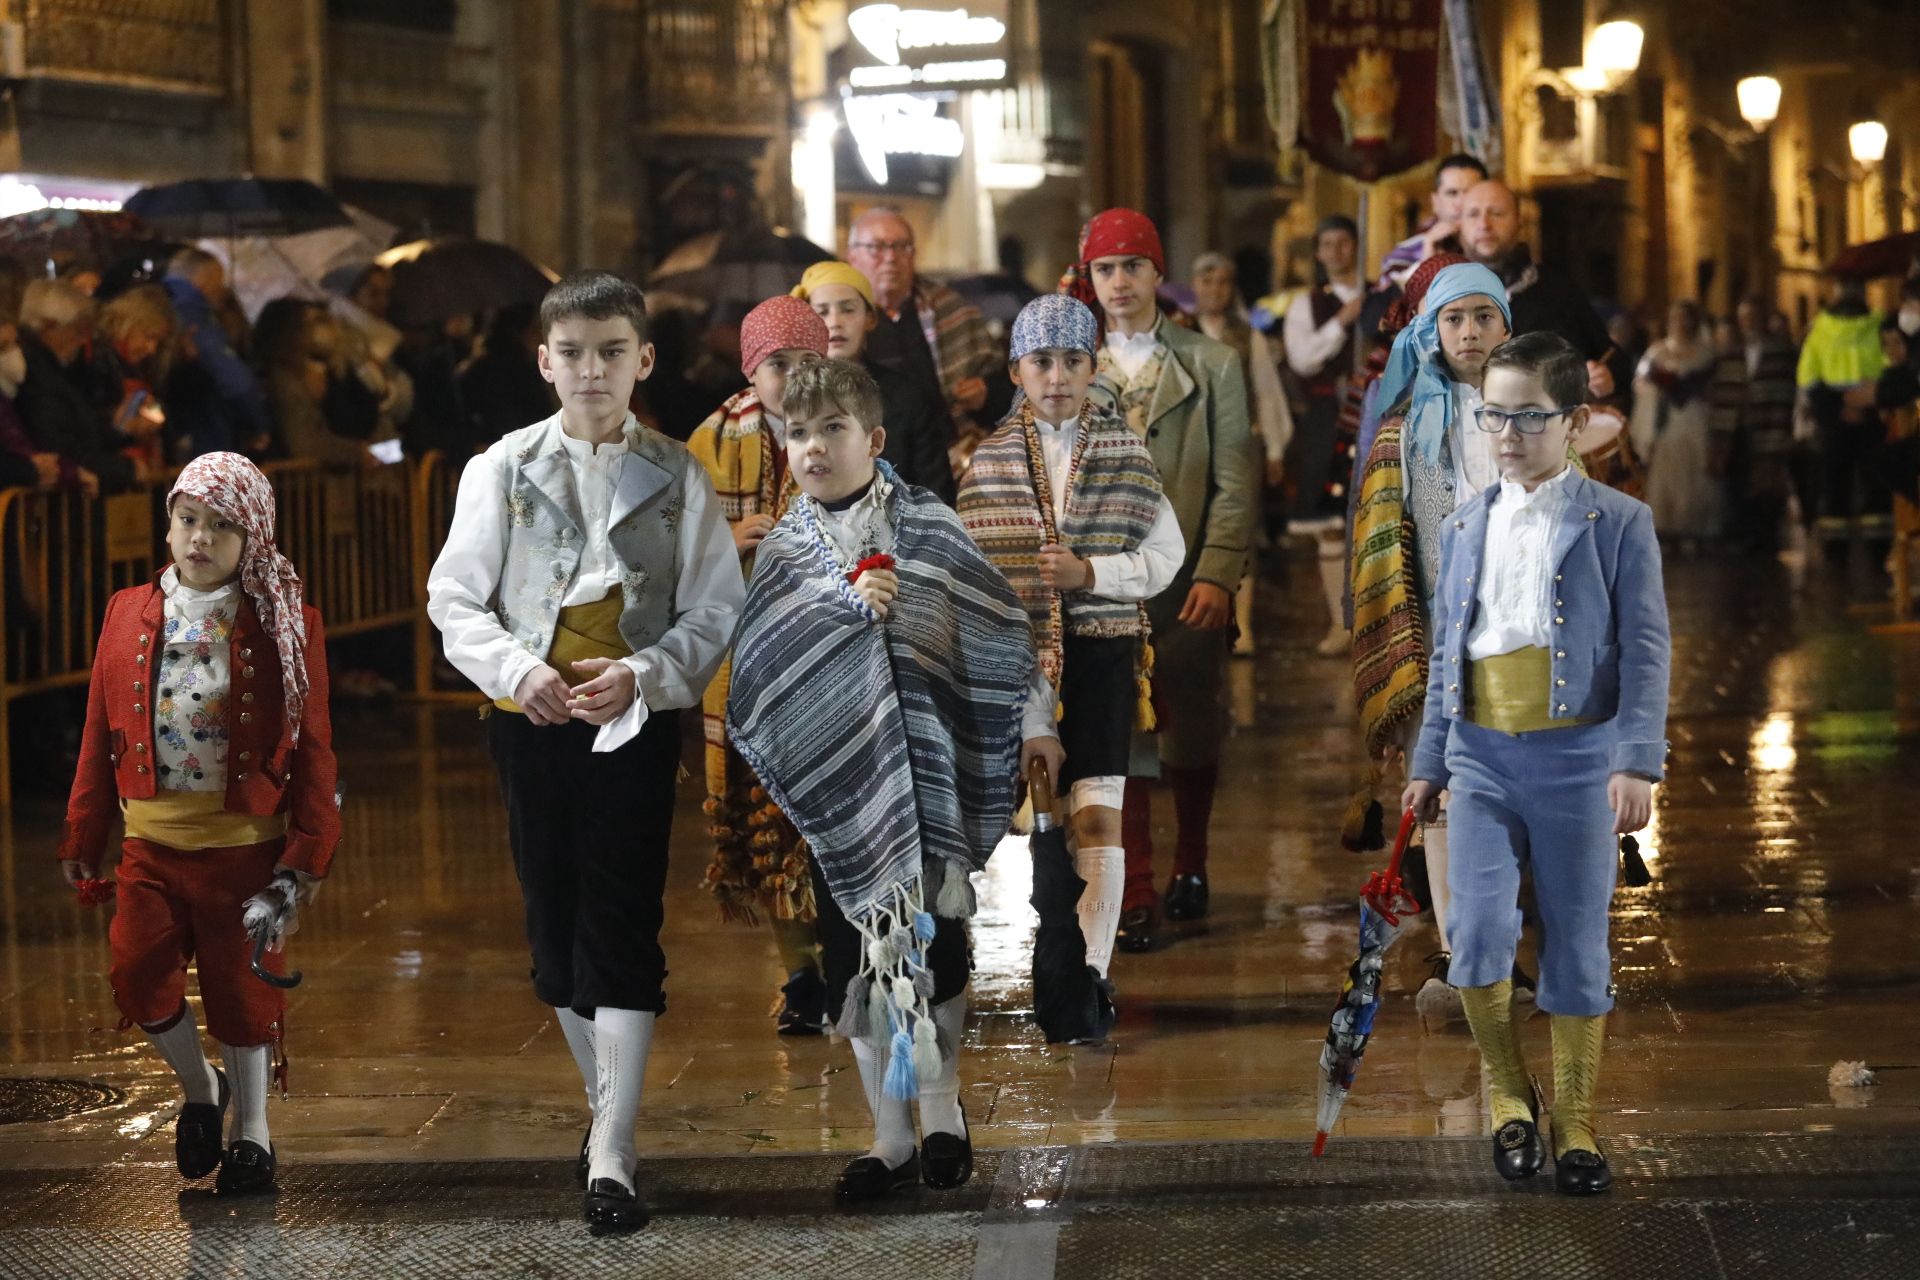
[[250, 1075], [179, 1044], [1103, 867], [892, 1119], [579, 1034], [621, 1039], [940, 1097], [1436, 841]]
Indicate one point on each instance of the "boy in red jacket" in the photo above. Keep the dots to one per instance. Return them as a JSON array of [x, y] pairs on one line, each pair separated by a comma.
[[207, 730]]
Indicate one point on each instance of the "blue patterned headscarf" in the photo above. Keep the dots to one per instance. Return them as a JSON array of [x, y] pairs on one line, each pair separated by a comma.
[[1054, 321], [1416, 363]]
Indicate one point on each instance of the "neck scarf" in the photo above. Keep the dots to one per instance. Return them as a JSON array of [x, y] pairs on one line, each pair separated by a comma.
[[233, 486], [1417, 365]]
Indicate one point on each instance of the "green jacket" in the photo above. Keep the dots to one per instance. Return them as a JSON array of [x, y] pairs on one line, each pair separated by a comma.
[[1200, 437]]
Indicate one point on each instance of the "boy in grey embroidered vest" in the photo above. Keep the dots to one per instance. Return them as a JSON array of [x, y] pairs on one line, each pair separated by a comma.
[[589, 586]]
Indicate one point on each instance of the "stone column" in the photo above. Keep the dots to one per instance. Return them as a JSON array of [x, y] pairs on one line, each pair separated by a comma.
[[284, 64]]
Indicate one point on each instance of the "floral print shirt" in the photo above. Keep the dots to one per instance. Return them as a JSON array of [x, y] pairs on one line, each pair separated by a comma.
[[192, 685]]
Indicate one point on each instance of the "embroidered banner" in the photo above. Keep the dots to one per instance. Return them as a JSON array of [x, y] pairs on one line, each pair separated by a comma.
[[1370, 84]]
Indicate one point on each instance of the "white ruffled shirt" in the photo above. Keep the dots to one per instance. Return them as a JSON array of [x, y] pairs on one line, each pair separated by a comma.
[[1476, 464], [1516, 569]]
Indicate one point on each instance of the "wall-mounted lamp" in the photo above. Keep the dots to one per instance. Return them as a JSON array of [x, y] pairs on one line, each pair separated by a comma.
[[1613, 50], [1867, 140], [1759, 101]]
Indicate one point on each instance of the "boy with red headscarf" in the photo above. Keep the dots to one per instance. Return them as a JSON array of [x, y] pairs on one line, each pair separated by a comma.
[[207, 730], [760, 864], [1184, 394]]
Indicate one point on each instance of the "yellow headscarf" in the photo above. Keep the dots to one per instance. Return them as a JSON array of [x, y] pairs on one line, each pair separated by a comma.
[[833, 272]]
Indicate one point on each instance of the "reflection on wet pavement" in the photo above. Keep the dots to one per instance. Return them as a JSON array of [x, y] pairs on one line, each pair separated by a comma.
[[1775, 939]]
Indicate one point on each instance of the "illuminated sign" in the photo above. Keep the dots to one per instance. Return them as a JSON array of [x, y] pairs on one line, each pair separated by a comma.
[[900, 124], [907, 49]]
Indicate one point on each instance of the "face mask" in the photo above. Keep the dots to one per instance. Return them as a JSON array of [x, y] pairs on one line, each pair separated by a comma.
[[1910, 319], [13, 371]]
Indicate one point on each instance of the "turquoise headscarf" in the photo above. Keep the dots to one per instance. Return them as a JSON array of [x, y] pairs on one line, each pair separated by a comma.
[[1416, 362]]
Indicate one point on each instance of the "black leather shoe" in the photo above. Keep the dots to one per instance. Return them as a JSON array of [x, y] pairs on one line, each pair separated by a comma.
[[868, 1178], [1136, 930], [804, 1011], [946, 1161], [246, 1168], [1517, 1150], [1582, 1173], [1186, 897], [580, 1170], [196, 1134], [611, 1209]]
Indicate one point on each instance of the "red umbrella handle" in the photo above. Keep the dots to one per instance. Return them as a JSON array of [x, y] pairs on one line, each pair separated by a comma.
[[1383, 891]]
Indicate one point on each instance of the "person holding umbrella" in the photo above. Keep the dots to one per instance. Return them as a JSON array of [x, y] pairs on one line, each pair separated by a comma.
[[878, 678], [1065, 500], [1545, 720]]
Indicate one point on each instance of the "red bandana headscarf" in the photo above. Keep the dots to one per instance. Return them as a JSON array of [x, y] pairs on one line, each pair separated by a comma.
[[1112, 234], [233, 486], [780, 324]]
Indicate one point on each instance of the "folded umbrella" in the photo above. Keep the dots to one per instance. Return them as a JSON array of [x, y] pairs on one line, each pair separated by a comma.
[[1071, 1001], [202, 208], [434, 280], [1386, 909]]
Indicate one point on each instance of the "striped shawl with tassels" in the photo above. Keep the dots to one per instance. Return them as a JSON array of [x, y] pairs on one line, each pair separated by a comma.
[[1389, 617], [892, 746]]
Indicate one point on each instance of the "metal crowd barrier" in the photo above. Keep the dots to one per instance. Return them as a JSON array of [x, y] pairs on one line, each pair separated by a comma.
[[362, 541]]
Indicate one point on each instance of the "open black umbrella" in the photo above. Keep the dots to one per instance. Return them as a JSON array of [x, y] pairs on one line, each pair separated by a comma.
[[210, 208], [436, 279], [729, 272], [1070, 1000]]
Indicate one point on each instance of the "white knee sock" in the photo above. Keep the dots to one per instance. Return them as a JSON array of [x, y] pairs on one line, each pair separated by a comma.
[[250, 1076], [1104, 868], [1333, 583], [579, 1034], [621, 1039], [892, 1120], [179, 1044], [1436, 842], [940, 1097]]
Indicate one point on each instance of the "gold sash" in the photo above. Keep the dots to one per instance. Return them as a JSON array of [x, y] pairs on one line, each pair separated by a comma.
[[1512, 692], [590, 630], [187, 820]]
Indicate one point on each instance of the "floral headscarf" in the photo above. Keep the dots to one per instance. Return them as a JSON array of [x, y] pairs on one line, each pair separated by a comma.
[[233, 486]]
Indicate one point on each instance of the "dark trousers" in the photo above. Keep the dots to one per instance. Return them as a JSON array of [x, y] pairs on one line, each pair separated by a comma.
[[1851, 461], [841, 950], [589, 835]]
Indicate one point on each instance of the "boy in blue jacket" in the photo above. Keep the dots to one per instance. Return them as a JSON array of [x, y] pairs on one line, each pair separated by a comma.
[[1546, 721]]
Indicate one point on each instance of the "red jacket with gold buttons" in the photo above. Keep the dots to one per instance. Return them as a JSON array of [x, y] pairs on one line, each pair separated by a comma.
[[266, 773]]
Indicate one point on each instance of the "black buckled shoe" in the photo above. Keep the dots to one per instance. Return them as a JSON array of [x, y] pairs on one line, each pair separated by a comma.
[[1517, 1150], [1582, 1173], [580, 1170], [1186, 897], [246, 1168], [1136, 930], [611, 1209], [804, 1008], [868, 1178], [946, 1160], [196, 1134]]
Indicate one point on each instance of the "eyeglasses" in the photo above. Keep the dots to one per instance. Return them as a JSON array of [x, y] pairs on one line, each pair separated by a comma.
[[881, 248], [1528, 422]]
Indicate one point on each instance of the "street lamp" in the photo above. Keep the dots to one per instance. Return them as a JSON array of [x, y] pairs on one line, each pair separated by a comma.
[[1759, 101], [1867, 140], [1613, 50]]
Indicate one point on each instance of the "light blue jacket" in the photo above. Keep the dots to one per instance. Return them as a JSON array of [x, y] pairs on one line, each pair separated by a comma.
[[1611, 652]]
